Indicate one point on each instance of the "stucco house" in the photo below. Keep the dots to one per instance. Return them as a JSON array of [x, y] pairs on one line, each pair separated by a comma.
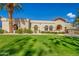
[[57, 25]]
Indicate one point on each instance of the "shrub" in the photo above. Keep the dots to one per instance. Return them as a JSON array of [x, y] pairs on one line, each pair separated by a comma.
[[19, 31], [29, 31], [25, 30], [1, 31], [53, 32], [6, 31]]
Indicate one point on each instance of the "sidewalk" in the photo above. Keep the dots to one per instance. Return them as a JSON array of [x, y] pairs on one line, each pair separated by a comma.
[[25, 34], [72, 35]]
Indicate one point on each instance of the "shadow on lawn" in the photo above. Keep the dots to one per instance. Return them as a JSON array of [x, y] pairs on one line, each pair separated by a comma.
[[12, 48], [52, 45]]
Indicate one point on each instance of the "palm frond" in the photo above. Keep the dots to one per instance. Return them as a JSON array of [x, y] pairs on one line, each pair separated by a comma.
[[2, 5], [18, 6]]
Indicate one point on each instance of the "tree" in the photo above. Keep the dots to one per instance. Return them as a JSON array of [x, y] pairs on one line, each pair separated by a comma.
[[10, 9], [76, 21]]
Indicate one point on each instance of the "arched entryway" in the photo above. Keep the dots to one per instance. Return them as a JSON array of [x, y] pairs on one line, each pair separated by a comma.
[[15, 27], [59, 27], [46, 28], [35, 28], [50, 28], [66, 30]]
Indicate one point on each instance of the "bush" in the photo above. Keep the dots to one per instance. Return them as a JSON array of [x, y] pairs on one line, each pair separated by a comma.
[[29, 31], [24, 31], [53, 32], [1, 31], [19, 31]]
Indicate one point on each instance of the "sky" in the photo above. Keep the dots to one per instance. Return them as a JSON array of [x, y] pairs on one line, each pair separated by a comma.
[[45, 11]]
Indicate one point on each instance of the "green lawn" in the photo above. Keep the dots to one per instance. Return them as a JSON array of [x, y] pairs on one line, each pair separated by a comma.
[[38, 45]]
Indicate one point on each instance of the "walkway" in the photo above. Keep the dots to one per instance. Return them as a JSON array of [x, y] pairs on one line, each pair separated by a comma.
[[72, 35]]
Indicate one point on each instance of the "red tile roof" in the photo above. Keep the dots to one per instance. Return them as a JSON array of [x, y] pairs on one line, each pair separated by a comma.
[[60, 19]]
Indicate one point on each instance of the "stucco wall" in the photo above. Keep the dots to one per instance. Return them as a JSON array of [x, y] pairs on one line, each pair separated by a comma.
[[5, 24], [39, 23]]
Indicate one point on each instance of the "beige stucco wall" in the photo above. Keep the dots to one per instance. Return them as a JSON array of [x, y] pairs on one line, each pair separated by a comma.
[[5, 24], [39, 23], [62, 23]]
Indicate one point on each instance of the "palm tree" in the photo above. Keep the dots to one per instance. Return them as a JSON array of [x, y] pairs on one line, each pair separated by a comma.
[[10, 9], [76, 22]]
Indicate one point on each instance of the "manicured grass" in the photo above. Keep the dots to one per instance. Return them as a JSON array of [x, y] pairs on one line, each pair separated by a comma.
[[38, 45]]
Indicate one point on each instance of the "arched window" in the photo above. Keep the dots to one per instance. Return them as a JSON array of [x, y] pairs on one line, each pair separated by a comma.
[[46, 28], [59, 27], [35, 28], [50, 27]]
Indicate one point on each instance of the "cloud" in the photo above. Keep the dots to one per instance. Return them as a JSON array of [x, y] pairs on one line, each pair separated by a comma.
[[71, 15]]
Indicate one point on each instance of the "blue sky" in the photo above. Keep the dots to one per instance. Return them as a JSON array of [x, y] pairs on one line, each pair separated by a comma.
[[45, 11]]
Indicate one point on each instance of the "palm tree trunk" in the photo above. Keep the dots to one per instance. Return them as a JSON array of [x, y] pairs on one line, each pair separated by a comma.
[[10, 22], [29, 24]]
